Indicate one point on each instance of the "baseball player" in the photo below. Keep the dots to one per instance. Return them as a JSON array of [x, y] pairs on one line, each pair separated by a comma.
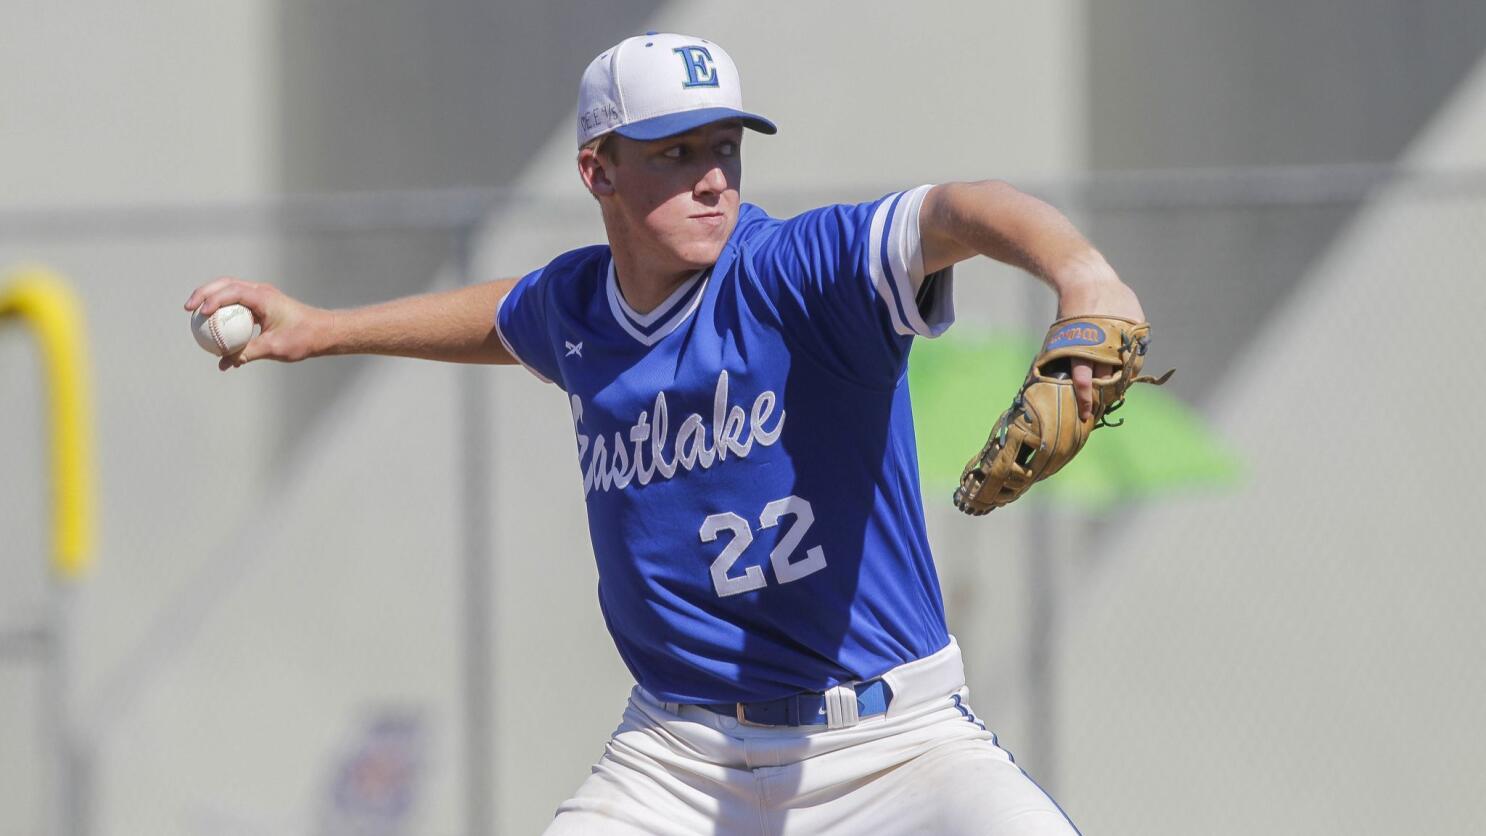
[[740, 405]]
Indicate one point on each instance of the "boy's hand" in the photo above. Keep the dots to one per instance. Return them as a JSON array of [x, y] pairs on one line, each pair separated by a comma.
[[291, 330], [1100, 297]]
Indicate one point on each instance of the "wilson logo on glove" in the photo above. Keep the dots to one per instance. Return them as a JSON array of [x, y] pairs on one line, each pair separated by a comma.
[[1077, 333]]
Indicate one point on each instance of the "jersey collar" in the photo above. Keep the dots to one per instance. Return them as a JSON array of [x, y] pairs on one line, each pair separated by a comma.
[[650, 328]]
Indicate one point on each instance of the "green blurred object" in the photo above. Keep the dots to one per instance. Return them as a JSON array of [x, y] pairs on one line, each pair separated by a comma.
[[961, 384]]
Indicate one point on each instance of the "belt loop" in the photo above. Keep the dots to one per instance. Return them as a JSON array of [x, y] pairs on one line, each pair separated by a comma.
[[841, 707]]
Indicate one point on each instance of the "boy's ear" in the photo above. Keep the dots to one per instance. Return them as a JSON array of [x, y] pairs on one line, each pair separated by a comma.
[[594, 171]]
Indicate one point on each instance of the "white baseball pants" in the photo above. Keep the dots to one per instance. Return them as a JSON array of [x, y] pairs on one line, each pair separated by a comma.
[[927, 766]]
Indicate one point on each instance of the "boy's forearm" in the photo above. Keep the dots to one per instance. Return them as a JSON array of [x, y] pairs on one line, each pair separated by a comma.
[[994, 219], [453, 325]]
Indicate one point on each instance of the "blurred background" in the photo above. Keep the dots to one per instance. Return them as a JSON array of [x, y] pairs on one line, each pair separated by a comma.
[[356, 595]]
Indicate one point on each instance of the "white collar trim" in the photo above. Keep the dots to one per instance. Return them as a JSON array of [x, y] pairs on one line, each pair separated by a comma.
[[631, 321]]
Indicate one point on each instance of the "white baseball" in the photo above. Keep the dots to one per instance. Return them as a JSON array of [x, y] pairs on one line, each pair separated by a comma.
[[224, 332]]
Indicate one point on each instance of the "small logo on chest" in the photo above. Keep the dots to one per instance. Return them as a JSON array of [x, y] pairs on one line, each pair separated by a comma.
[[574, 349]]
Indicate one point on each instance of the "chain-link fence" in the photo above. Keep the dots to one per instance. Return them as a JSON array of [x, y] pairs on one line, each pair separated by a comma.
[[343, 596]]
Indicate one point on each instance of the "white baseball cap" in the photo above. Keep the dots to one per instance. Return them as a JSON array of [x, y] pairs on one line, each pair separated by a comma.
[[657, 85]]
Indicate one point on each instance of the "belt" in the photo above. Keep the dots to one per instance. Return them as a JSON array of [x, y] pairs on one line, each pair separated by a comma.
[[839, 707]]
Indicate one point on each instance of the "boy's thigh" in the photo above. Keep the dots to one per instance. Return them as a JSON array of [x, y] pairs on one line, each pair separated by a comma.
[[642, 785], [965, 787], [943, 777], [965, 784], [973, 787]]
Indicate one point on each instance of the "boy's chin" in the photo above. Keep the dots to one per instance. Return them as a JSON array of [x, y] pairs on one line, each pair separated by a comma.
[[700, 256]]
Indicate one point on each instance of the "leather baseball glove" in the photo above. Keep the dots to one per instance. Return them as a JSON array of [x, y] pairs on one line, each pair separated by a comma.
[[1042, 430]]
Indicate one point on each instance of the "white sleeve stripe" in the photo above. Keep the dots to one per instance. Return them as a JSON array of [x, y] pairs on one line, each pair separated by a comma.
[[880, 279], [507, 343], [905, 252], [898, 269]]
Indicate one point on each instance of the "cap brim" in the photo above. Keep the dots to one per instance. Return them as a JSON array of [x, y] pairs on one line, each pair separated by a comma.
[[660, 127]]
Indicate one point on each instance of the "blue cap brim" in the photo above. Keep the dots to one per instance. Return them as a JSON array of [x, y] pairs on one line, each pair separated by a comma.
[[672, 124]]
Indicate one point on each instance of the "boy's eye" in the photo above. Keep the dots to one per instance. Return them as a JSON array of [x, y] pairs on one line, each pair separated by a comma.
[[674, 152], [728, 149]]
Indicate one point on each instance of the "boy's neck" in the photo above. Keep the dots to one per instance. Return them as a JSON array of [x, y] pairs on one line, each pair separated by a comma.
[[643, 286]]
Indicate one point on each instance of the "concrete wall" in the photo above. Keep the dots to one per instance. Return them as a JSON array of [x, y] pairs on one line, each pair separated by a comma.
[[280, 578], [108, 104], [1248, 662], [1174, 84], [1300, 656], [105, 104]]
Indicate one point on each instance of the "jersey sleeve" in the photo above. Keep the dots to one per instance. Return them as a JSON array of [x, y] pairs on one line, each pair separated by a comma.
[[847, 282], [521, 323]]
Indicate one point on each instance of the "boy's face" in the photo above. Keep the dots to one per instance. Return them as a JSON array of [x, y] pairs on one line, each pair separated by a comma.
[[675, 200]]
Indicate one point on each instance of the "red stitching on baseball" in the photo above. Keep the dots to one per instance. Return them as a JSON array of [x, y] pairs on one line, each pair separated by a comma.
[[211, 323]]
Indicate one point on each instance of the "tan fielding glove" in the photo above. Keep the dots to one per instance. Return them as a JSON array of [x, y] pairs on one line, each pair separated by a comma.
[[1042, 431]]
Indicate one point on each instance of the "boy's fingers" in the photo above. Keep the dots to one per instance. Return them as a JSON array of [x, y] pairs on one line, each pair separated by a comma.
[[1083, 388], [257, 348], [200, 293], [218, 299], [252, 297]]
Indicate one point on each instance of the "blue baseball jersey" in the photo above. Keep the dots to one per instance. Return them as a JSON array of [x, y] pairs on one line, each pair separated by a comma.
[[747, 450]]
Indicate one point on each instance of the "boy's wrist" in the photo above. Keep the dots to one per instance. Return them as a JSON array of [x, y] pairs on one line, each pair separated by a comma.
[[1085, 271], [327, 338]]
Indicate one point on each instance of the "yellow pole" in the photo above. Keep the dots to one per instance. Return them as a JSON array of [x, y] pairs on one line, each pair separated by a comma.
[[45, 302]]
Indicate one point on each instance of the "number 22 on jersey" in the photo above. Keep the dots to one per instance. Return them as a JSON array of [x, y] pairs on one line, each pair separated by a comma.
[[786, 568]]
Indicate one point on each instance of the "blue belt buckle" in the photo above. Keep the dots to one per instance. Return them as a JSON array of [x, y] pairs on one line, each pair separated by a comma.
[[873, 697]]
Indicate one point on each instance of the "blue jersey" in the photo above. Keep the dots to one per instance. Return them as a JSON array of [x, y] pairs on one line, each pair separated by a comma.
[[747, 451]]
